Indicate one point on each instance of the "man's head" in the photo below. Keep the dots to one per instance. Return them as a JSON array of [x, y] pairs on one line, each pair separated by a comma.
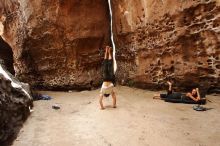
[[194, 92]]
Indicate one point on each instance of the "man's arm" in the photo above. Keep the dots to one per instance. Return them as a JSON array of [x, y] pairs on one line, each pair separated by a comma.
[[170, 87], [198, 94], [190, 96]]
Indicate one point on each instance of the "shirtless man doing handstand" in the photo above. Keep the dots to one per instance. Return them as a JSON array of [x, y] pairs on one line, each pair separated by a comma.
[[108, 78]]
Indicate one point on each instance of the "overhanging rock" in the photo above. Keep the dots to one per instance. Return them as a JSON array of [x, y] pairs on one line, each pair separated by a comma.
[[15, 103]]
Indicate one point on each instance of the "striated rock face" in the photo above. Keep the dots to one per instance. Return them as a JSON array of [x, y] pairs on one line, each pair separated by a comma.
[[168, 39], [56, 43], [14, 109]]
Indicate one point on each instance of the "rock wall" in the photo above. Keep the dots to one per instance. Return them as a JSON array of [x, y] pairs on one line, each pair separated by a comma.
[[57, 43], [14, 109], [6, 55], [168, 39]]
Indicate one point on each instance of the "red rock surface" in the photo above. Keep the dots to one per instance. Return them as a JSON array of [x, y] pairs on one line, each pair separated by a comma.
[[56, 43], [168, 39]]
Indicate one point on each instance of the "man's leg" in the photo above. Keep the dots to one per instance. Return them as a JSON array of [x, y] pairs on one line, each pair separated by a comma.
[[162, 96], [114, 99], [100, 102], [106, 52], [109, 53], [105, 64], [110, 65], [170, 90]]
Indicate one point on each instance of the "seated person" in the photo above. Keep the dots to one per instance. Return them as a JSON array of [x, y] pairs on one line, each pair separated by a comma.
[[191, 97], [108, 79]]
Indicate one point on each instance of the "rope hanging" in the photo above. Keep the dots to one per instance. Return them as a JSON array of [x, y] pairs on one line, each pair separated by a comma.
[[112, 38]]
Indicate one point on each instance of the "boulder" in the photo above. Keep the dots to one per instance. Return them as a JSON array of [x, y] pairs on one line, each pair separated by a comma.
[[15, 107]]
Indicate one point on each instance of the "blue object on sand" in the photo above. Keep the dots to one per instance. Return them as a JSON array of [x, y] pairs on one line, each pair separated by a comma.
[[41, 97], [199, 108], [45, 97]]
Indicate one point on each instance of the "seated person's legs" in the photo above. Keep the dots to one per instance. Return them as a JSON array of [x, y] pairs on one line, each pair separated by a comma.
[[164, 96]]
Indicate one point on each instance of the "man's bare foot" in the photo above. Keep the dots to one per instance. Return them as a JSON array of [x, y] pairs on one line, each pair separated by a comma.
[[102, 108], [156, 97], [114, 106]]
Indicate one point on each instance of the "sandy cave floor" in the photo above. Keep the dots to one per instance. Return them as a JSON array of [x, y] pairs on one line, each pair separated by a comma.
[[137, 121]]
